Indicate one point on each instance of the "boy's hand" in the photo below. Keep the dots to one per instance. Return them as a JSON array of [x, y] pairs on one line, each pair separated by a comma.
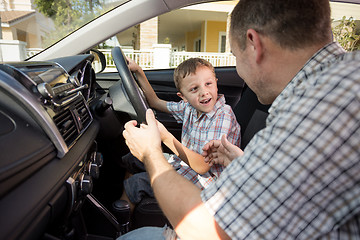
[[133, 66], [164, 133], [220, 152]]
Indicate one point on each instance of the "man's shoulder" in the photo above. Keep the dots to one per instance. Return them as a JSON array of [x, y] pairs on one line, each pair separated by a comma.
[[344, 72]]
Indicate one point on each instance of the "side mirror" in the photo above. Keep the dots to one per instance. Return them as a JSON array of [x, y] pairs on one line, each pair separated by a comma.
[[99, 63]]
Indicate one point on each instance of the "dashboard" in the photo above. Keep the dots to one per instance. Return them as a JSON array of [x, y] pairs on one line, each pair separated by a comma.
[[47, 142]]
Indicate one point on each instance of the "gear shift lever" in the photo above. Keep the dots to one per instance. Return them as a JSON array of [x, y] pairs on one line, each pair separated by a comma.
[[121, 210]]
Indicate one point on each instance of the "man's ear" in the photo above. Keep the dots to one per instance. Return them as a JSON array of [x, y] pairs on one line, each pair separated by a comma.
[[255, 44], [181, 96]]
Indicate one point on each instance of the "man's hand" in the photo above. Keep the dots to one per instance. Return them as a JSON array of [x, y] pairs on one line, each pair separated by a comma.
[[145, 139], [220, 152]]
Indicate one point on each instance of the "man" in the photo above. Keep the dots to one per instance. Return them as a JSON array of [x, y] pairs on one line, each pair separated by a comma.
[[298, 177]]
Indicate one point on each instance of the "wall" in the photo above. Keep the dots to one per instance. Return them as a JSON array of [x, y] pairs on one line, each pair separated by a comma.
[[8, 33], [12, 50], [23, 5], [212, 35], [338, 10], [149, 33], [190, 39]]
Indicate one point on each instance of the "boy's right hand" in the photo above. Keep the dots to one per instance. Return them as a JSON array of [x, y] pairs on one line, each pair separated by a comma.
[[220, 152]]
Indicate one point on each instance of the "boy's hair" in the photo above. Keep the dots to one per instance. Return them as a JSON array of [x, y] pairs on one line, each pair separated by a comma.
[[293, 24], [188, 67]]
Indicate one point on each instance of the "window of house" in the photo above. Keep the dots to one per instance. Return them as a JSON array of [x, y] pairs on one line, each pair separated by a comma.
[[197, 45], [222, 42]]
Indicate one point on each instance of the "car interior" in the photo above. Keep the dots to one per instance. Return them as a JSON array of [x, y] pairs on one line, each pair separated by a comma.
[[61, 124], [61, 139]]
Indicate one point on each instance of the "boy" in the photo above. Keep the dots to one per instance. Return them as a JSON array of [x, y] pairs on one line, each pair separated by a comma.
[[204, 115]]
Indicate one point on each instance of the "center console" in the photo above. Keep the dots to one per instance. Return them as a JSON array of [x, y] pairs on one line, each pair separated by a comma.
[[50, 156]]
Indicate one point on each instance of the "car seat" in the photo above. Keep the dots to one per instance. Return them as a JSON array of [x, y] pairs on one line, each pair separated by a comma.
[[250, 114]]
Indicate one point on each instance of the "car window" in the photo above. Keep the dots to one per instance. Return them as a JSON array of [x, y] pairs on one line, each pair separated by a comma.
[[202, 31], [167, 40], [162, 42]]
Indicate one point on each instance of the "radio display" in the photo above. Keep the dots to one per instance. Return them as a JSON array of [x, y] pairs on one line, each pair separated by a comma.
[[51, 74]]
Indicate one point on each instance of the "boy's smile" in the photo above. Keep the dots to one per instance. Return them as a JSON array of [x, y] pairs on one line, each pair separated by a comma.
[[200, 90]]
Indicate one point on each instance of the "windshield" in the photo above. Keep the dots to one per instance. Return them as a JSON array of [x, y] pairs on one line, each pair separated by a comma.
[[29, 26], [67, 16]]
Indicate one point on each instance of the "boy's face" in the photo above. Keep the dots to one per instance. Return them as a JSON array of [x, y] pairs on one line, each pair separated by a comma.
[[200, 90]]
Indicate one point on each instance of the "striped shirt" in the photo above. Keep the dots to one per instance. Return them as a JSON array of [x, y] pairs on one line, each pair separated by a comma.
[[197, 131], [299, 177]]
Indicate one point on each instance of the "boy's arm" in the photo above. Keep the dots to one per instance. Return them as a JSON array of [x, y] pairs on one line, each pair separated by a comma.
[[149, 92], [195, 160]]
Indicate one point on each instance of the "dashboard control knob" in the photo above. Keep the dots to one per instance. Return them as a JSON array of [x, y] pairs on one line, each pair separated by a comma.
[[103, 105], [94, 170], [46, 90], [97, 158], [86, 184]]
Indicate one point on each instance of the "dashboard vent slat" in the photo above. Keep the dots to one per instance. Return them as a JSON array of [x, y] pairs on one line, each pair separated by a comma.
[[66, 125], [83, 113], [73, 120]]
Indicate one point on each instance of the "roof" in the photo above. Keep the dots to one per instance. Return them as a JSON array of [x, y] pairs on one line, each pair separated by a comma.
[[347, 1], [12, 16]]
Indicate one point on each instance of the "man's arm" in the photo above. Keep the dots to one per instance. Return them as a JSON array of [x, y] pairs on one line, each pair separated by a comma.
[[179, 198], [153, 100]]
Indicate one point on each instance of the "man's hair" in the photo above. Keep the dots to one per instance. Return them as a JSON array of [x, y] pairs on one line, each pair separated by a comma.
[[293, 24], [188, 67]]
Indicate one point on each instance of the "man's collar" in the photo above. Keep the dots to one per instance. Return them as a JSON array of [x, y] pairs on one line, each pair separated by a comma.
[[325, 56]]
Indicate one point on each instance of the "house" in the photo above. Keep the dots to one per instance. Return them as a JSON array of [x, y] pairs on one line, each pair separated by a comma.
[[21, 27], [198, 28]]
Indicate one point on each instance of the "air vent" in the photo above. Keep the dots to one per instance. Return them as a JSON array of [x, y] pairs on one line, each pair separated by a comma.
[[83, 113], [72, 121]]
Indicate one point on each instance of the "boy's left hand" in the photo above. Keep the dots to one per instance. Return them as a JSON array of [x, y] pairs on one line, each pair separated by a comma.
[[133, 66], [164, 133]]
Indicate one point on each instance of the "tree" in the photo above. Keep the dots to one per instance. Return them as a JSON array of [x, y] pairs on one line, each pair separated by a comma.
[[68, 15], [346, 33]]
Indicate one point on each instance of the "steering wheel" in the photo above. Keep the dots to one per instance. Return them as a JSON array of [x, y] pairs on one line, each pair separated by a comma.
[[132, 89]]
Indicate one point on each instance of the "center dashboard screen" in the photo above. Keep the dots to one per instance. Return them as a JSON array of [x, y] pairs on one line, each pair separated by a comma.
[[49, 73]]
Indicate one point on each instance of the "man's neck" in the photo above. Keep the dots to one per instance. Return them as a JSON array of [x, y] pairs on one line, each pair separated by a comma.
[[284, 64]]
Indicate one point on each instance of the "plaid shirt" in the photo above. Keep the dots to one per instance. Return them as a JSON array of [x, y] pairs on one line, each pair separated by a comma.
[[299, 177], [196, 132]]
